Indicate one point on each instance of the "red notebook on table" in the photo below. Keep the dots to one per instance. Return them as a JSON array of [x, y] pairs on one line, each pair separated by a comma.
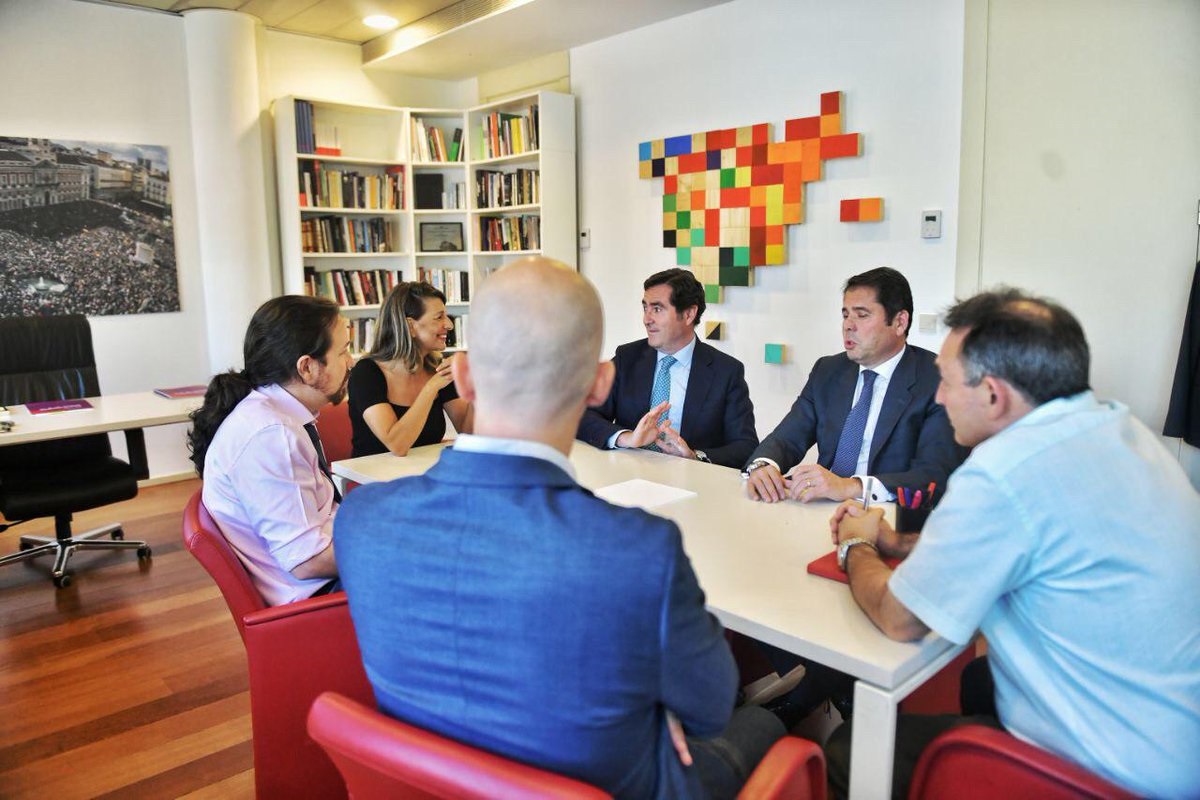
[[826, 566], [172, 392], [50, 406]]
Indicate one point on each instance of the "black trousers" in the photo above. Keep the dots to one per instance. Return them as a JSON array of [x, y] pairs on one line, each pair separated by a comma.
[[914, 732]]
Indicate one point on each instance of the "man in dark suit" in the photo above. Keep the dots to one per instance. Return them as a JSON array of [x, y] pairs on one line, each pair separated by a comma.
[[499, 603], [672, 392], [870, 410]]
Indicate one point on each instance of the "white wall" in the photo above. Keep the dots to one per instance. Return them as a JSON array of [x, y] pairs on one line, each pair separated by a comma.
[[81, 71], [1091, 177], [752, 61]]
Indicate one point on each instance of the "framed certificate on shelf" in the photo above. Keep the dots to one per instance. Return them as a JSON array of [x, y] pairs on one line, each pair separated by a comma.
[[446, 237]]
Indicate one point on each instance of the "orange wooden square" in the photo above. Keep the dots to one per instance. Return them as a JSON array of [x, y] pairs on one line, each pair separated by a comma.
[[831, 124], [777, 152], [697, 201], [758, 195], [774, 234], [810, 170], [793, 213], [870, 209]]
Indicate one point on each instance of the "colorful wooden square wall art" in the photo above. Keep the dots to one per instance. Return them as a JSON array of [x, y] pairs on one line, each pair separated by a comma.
[[862, 209], [774, 353], [714, 331], [728, 194]]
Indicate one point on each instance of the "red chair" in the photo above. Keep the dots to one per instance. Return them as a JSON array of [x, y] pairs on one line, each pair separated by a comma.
[[294, 653], [381, 758], [333, 426], [987, 764]]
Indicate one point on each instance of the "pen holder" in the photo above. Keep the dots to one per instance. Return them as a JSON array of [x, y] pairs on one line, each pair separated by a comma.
[[911, 520]]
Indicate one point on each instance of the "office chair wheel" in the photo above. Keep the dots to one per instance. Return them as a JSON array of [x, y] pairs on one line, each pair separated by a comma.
[[118, 535], [143, 552], [62, 581]]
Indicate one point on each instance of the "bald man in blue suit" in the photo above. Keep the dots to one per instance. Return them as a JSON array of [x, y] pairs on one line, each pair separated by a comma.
[[499, 603]]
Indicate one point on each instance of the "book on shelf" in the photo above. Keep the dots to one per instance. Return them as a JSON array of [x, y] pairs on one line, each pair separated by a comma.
[[456, 144], [325, 140], [505, 134], [428, 142], [336, 234], [362, 335], [339, 285], [457, 338], [496, 189], [304, 127], [510, 233], [454, 283], [427, 189], [321, 187]]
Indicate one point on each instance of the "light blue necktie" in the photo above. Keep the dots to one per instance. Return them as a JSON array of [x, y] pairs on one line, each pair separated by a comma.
[[845, 459], [661, 392]]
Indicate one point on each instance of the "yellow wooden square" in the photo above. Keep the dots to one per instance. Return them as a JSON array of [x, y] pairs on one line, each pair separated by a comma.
[[745, 137], [645, 169], [706, 273], [728, 158], [657, 148], [671, 165], [668, 220], [774, 254], [699, 142], [741, 178], [831, 124], [774, 214], [683, 238]]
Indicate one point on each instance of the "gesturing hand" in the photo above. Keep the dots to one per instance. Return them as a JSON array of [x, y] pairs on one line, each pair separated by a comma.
[[679, 739], [669, 441], [647, 428]]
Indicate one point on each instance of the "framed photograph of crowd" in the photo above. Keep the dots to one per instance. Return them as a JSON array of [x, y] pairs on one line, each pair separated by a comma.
[[85, 228]]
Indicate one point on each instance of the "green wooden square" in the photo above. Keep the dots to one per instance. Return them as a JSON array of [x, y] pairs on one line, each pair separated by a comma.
[[712, 293], [734, 276], [728, 178], [683, 220], [741, 257], [683, 256], [773, 354], [669, 202]]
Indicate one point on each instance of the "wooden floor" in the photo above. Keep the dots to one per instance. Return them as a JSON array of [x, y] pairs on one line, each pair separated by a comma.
[[129, 683]]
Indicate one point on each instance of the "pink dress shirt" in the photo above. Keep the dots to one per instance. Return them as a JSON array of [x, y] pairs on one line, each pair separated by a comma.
[[264, 487]]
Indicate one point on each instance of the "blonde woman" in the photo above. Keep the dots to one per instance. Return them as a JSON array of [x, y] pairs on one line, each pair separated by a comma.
[[399, 390]]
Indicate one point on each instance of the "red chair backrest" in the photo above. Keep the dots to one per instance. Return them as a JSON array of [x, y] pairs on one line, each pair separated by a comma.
[[381, 758], [987, 764], [206, 542], [333, 425]]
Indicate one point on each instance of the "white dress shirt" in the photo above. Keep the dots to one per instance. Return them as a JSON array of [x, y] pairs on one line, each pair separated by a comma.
[[680, 371], [495, 445]]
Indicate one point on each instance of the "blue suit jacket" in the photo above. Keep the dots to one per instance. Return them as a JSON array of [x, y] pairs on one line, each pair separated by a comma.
[[499, 603], [718, 416], [913, 442]]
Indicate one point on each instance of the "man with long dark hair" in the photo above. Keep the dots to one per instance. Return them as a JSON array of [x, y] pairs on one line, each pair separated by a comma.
[[255, 444]]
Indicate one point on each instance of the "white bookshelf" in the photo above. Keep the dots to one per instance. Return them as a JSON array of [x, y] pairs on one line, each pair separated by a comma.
[[376, 140]]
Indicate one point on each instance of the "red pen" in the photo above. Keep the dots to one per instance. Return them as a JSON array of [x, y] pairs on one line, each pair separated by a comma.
[[900, 496]]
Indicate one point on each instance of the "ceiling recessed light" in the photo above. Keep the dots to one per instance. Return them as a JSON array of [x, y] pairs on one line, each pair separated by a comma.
[[380, 21]]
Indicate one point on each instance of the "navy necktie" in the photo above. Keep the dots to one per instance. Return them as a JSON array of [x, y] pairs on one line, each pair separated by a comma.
[[845, 460], [661, 391], [311, 429]]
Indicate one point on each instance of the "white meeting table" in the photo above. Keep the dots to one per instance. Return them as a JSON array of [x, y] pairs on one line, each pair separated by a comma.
[[751, 559]]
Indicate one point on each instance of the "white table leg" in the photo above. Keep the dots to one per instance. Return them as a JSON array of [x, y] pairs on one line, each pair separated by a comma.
[[872, 742]]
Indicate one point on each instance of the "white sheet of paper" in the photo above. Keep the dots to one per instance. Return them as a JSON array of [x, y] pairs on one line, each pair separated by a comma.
[[639, 493]]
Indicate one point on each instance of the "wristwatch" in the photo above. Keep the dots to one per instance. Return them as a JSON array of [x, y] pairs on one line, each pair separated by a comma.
[[844, 548], [753, 466], [702, 456]]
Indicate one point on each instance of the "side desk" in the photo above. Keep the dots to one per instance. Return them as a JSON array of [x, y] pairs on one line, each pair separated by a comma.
[[130, 413], [751, 559]]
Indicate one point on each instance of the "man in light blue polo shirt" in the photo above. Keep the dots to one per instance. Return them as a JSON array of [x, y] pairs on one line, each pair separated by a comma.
[[1070, 538]]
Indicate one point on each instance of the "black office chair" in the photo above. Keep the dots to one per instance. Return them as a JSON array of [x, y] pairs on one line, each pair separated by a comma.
[[51, 358]]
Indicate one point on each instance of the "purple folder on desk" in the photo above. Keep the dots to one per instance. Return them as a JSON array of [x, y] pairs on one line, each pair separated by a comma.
[[182, 391], [50, 406]]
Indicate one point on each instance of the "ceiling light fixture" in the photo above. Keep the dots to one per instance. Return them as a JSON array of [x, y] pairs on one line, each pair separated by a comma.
[[380, 22]]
